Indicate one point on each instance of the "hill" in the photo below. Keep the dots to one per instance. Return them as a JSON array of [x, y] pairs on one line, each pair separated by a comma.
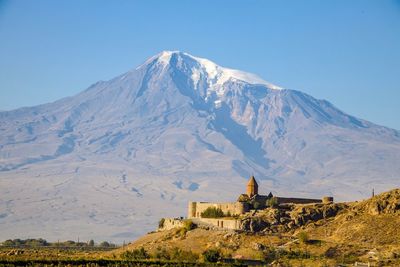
[[365, 231]]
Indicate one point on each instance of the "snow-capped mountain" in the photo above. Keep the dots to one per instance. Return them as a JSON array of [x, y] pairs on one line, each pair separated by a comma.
[[110, 161]]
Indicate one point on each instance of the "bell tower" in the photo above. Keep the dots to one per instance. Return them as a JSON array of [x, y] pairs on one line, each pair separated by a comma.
[[252, 187]]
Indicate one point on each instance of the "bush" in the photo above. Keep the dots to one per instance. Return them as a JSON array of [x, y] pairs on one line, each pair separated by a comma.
[[212, 212], [272, 202], [175, 254], [270, 254], [181, 232], [211, 255], [136, 254], [188, 225], [8, 242], [331, 252], [303, 237], [162, 254], [256, 205], [183, 255], [161, 223]]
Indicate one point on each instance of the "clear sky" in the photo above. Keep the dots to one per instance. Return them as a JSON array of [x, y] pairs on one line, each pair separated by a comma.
[[347, 52]]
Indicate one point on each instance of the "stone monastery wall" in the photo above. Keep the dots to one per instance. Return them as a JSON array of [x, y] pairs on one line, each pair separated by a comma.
[[284, 200], [231, 224], [170, 223], [234, 208]]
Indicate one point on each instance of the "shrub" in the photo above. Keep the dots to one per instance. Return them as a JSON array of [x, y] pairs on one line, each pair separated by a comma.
[[256, 205], [181, 232], [162, 254], [188, 225], [211, 255], [136, 254], [303, 237], [161, 223], [212, 212], [331, 252], [272, 202], [183, 255], [270, 254], [8, 242]]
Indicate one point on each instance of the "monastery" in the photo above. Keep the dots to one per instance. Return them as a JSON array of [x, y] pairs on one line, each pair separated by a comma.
[[248, 201]]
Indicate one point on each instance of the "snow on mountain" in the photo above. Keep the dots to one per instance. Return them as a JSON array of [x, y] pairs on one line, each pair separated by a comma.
[[110, 161]]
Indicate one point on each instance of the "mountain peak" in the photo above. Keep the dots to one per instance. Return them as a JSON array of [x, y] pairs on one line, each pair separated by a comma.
[[215, 74]]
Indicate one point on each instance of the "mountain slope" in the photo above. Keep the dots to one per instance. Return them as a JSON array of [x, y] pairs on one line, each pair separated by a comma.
[[108, 162]]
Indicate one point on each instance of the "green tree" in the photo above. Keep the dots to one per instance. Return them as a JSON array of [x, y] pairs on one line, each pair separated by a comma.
[[272, 202], [36, 242], [104, 244], [91, 243], [183, 255], [256, 205], [212, 212], [8, 242], [161, 254], [136, 254], [211, 255]]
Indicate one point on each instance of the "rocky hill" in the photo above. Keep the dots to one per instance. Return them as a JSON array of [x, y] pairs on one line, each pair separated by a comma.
[[365, 231]]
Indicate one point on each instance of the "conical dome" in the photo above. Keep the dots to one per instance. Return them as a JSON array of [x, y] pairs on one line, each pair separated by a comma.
[[252, 187], [252, 181]]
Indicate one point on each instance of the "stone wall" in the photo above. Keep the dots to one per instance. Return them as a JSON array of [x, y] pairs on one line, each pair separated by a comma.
[[223, 223], [170, 223], [229, 224], [234, 208], [283, 200]]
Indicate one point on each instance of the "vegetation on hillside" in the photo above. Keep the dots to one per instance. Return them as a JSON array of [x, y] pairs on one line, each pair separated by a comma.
[[272, 202]]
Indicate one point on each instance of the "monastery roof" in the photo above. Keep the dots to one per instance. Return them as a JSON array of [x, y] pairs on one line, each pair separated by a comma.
[[252, 181]]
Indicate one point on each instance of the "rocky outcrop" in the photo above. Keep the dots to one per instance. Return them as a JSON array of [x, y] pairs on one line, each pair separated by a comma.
[[291, 216], [287, 217], [386, 203]]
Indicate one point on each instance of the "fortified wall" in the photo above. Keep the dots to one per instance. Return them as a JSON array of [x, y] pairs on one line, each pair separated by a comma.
[[225, 223], [170, 223], [233, 208], [286, 200]]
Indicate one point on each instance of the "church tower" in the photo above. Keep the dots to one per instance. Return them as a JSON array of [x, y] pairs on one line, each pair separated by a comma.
[[252, 187]]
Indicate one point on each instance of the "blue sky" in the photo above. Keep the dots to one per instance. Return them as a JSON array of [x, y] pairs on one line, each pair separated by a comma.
[[347, 52]]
